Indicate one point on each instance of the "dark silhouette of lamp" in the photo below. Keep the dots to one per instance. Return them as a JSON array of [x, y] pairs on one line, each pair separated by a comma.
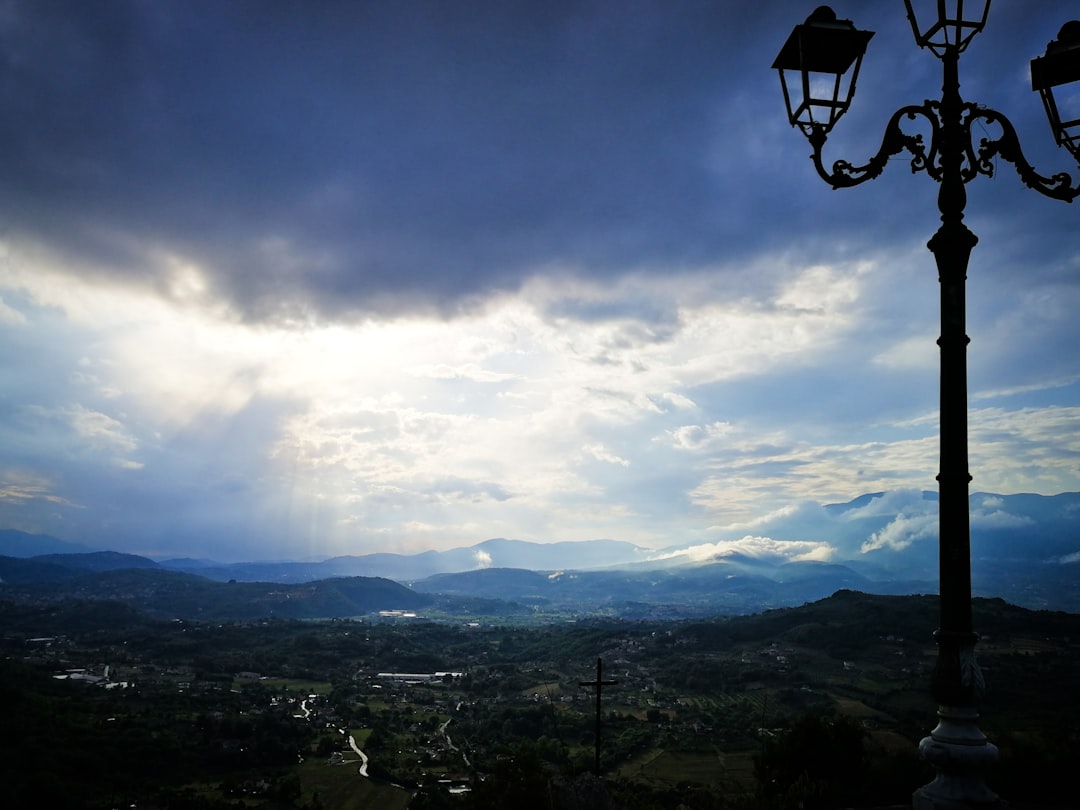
[[1057, 68], [946, 24], [820, 53], [823, 45]]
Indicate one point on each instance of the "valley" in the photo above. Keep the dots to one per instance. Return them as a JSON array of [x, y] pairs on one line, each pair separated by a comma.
[[708, 713]]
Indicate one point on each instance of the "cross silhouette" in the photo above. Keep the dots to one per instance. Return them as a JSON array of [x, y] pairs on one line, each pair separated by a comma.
[[599, 683]]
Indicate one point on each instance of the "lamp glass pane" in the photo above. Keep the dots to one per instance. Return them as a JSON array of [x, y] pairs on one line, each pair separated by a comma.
[[1067, 99]]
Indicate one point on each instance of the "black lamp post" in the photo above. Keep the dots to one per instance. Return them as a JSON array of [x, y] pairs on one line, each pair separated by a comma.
[[818, 67]]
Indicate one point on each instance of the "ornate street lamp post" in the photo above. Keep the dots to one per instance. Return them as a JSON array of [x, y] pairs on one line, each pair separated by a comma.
[[818, 67]]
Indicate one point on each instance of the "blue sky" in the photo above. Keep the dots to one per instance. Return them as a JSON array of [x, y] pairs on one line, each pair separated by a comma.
[[288, 279]]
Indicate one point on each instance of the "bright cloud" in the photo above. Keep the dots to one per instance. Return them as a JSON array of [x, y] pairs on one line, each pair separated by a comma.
[[698, 437], [902, 532], [760, 548]]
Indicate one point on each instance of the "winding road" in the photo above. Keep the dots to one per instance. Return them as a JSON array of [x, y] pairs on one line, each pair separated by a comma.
[[352, 740], [361, 754]]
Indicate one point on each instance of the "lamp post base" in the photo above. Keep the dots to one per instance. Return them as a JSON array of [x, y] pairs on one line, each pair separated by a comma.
[[961, 754]]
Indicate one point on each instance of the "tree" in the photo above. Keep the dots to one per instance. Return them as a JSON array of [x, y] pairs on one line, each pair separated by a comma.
[[816, 764], [520, 780]]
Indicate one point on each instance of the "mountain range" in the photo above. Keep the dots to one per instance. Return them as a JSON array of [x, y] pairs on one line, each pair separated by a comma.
[[1025, 549]]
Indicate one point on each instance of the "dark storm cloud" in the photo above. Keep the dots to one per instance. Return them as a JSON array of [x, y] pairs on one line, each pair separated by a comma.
[[372, 157], [357, 153]]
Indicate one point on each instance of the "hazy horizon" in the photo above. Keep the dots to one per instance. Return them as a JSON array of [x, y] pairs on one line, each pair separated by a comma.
[[301, 281]]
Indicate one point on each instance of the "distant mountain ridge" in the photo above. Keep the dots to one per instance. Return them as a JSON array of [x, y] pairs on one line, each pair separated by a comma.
[[1025, 548], [500, 552], [167, 594]]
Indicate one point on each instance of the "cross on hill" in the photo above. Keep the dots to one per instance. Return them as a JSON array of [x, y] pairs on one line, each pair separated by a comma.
[[599, 683]]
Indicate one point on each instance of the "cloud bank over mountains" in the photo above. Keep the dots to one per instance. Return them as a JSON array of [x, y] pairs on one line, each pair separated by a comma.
[[1029, 558], [899, 528]]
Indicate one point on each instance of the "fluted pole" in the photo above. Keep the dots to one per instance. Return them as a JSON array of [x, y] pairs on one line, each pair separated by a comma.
[[956, 748]]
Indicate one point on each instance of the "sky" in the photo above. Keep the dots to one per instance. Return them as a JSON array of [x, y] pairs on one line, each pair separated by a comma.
[[295, 280]]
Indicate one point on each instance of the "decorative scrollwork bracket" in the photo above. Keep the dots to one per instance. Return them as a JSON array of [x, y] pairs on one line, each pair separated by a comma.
[[1060, 186], [844, 174]]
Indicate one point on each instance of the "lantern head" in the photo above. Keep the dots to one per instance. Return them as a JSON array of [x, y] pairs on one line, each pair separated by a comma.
[[818, 67], [946, 25], [1056, 77]]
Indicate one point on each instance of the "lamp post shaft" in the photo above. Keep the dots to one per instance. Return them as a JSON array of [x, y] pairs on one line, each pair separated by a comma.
[[951, 246], [956, 747]]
